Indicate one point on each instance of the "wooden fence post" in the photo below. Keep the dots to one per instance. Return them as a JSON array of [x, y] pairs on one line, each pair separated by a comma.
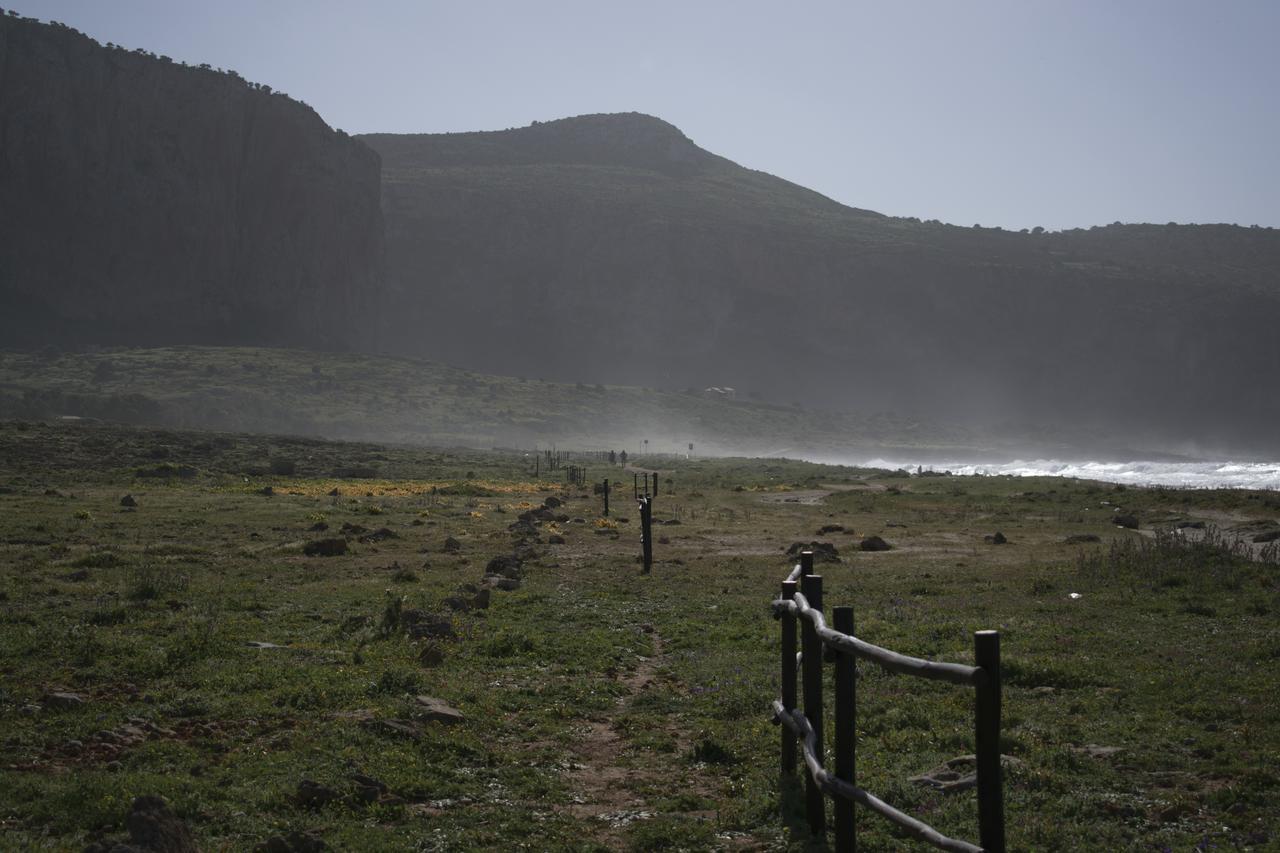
[[846, 731], [655, 484], [806, 563], [788, 679], [646, 532], [606, 498], [986, 654], [811, 659]]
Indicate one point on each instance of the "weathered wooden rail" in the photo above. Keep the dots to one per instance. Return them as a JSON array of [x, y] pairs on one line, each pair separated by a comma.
[[801, 601]]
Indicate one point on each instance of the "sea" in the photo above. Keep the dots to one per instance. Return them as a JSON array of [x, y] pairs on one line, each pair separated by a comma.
[[1191, 475]]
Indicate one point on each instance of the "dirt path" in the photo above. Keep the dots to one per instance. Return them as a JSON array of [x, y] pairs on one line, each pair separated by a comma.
[[605, 783]]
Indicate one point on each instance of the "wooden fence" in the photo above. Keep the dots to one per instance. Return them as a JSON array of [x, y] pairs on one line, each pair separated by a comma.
[[819, 645]]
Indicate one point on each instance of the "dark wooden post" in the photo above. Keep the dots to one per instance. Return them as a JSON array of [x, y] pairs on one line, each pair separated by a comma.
[[806, 563], [606, 498], [846, 730], [811, 660], [986, 654], [635, 485], [788, 679], [646, 532], [655, 484]]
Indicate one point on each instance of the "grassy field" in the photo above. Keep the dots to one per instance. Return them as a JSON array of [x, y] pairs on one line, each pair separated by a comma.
[[350, 396], [187, 646]]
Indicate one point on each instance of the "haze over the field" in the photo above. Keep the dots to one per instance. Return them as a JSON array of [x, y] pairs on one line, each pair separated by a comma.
[[1006, 114]]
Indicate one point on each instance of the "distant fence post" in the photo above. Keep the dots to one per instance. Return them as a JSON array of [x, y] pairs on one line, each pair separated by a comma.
[[646, 532], [986, 655], [846, 731], [788, 621], [811, 660], [606, 498]]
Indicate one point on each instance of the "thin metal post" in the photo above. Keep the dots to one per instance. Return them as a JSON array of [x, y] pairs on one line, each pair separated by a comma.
[[655, 484], [846, 730], [986, 654], [811, 651], [788, 678]]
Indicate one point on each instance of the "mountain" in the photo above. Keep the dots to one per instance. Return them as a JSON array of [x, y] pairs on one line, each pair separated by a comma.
[[148, 202], [611, 248]]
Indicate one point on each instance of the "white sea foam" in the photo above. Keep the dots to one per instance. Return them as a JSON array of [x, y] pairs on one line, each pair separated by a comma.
[[1200, 475]]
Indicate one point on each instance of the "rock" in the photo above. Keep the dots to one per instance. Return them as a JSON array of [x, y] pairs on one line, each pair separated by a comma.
[[395, 728], [507, 567], [553, 502], [128, 501], [451, 546], [874, 543], [1043, 691], [421, 625], [959, 773], [823, 552], [333, 493], [349, 529], [262, 644], [578, 520], [830, 528], [1094, 750], [431, 656], [997, 538], [292, 842], [77, 576], [319, 527], [671, 522], [1190, 525], [1082, 538], [431, 708], [152, 826], [480, 601], [325, 548], [313, 795], [1129, 521], [1268, 536], [266, 491], [380, 534], [457, 603], [62, 701], [503, 583], [555, 539]]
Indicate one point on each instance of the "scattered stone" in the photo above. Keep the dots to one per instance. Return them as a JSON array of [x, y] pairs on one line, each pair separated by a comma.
[[553, 502], [1190, 525], [1043, 691], [1126, 520], [894, 524], [503, 583], [480, 601], [874, 543], [432, 655], [1082, 538], [506, 566], [325, 548], [292, 842], [1094, 750], [422, 625], [1268, 536], [262, 644], [830, 528], [62, 701], [671, 521], [380, 534], [457, 603], [349, 529], [333, 493], [451, 546], [997, 539], [823, 552], [266, 491], [395, 728], [555, 539], [319, 527], [578, 520], [128, 501], [431, 708], [313, 795], [77, 576], [958, 774]]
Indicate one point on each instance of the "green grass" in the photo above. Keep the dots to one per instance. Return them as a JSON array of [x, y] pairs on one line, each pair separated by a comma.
[[660, 684]]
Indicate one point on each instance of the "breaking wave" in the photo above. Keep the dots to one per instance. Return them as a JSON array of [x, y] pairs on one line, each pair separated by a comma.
[[1198, 475]]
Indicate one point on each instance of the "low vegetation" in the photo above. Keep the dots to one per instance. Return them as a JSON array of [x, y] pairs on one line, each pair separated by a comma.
[[452, 680]]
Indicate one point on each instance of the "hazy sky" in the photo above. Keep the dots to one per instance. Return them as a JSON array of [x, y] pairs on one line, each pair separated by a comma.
[[1013, 113]]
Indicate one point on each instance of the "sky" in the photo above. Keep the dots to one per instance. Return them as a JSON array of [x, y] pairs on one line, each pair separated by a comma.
[[1012, 114]]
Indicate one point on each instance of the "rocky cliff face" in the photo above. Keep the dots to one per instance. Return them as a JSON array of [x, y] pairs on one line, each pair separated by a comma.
[[146, 202]]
